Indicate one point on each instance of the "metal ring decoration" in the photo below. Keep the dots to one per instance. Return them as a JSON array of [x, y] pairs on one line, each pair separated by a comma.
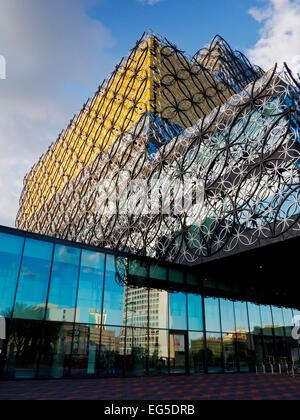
[[160, 116]]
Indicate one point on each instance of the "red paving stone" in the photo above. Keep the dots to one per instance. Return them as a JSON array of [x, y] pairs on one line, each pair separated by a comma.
[[197, 387]]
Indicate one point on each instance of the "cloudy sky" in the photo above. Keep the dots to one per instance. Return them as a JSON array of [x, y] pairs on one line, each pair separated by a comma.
[[58, 51]]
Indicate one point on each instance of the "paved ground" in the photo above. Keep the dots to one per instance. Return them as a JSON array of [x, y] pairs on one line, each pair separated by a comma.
[[198, 387]]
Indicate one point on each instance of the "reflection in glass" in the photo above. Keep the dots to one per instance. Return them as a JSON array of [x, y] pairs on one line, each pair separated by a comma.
[[255, 352], [34, 280], [196, 352], [212, 314], [227, 315], [176, 276], [56, 350], [158, 351], [195, 315], [90, 288], [112, 351], [254, 318], [63, 286], [138, 268], [158, 310], [241, 317], [229, 348], [266, 318], [136, 351], [278, 321], [113, 307], [288, 321], [86, 342], [136, 307], [10, 258], [177, 311], [23, 349], [158, 272], [214, 352], [178, 352]]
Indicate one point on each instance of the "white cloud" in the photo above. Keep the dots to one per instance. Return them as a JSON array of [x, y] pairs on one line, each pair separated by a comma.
[[55, 57], [279, 36], [150, 2]]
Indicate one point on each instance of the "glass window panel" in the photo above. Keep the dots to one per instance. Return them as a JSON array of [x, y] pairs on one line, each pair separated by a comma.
[[56, 350], [192, 279], [177, 311], [23, 349], [10, 257], [288, 321], [136, 303], [158, 351], [212, 314], [34, 280], [227, 315], [196, 352], [195, 315], [136, 351], [176, 276], [214, 352], [138, 268], [111, 361], [63, 286], [114, 293], [158, 310], [89, 301], [158, 272], [229, 349], [266, 318], [241, 317], [278, 321], [85, 354], [254, 318]]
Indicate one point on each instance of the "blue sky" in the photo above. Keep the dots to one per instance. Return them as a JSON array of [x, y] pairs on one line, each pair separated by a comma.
[[58, 52], [189, 23]]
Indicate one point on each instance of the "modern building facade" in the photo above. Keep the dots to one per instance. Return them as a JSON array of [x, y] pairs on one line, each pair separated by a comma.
[[159, 233], [78, 311]]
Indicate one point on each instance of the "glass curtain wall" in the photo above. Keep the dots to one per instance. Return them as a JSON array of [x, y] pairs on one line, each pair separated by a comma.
[[69, 313]]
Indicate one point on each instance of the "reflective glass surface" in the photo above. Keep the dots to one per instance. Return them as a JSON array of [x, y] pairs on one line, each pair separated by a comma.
[[254, 318], [89, 302], [178, 311], [56, 350], [278, 321], [63, 286], [214, 351], [266, 318], [34, 280], [136, 351], [158, 351], [10, 257], [112, 348], [241, 317], [196, 352], [114, 295], [85, 352], [229, 349], [136, 307], [227, 315], [195, 315], [212, 314], [158, 309]]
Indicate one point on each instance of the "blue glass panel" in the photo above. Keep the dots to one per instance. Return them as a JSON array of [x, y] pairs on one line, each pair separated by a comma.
[[254, 318], [266, 318], [195, 312], [10, 257], [113, 307], [90, 288], [241, 317], [178, 313], [34, 280], [212, 314], [278, 321], [63, 287], [227, 315]]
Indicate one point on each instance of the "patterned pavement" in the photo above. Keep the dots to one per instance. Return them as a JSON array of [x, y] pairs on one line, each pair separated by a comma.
[[198, 387]]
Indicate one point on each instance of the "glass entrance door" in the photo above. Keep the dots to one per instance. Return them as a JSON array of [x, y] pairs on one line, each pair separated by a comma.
[[178, 352]]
